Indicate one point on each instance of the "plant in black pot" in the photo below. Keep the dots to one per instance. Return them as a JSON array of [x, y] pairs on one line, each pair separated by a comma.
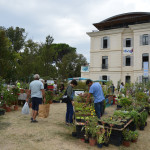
[[134, 136], [100, 137], [142, 119], [107, 136], [135, 116], [126, 137], [2, 111]]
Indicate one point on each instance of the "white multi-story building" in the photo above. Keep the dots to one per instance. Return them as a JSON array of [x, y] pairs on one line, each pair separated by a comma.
[[120, 49]]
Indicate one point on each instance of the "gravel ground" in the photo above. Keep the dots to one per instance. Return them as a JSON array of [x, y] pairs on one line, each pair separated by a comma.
[[17, 133]]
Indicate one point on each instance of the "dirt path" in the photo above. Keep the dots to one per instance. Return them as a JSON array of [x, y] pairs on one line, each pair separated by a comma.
[[17, 133]]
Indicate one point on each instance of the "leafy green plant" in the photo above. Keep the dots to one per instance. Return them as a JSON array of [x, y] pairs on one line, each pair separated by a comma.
[[8, 97], [100, 135], [141, 97], [107, 134], [134, 135], [135, 115], [142, 118], [58, 96], [48, 96], [126, 134], [91, 126], [15, 92], [125, 102], [1, 85]]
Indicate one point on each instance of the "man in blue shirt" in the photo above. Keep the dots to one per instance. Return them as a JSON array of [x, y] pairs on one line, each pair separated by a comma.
[[96, 90]]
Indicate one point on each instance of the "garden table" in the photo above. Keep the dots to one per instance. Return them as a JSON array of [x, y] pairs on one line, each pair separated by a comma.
[[22, 98]]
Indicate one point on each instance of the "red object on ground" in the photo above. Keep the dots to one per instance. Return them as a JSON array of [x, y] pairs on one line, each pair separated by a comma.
[[114, 100]]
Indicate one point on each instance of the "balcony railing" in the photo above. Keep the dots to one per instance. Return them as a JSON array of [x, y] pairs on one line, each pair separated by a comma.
[[104, 66]]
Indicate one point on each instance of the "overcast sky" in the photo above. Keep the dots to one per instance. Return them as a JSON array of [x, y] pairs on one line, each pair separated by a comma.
[[67, 21]]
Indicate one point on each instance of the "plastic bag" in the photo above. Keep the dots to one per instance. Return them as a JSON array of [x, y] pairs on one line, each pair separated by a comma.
[[25, 109]]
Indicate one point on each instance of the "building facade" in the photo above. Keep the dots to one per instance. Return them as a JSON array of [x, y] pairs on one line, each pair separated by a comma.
[[120, 49]]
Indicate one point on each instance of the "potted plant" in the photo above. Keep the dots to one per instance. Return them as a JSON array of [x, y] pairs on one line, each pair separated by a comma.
[[8, 98], [134, 136], [127, 137], [141, 97], [15, 91], [86, 136], [135, 115], [49, 97], [100, 137], [107, 136], [74, 133], [92, 132], [142, 119], [2, 111], [92, 129]]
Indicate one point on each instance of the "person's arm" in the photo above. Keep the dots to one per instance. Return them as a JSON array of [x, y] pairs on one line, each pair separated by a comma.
[[88, 98], [43, 95], [28, 95], [69, 92]]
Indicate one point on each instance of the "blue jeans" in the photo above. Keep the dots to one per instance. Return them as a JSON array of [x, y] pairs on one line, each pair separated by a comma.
[[98, 109], [69, 113]]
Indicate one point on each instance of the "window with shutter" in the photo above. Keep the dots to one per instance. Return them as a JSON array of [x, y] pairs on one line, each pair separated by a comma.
[[104, 62], [145, 39], [128, 42], [127, 79], [128, 61], [104, 77], [145, 58], [105, 42]]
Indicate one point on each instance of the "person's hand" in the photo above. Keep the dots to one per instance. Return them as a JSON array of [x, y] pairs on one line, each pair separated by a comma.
[[44, 100], [27, 99], [72, 103]]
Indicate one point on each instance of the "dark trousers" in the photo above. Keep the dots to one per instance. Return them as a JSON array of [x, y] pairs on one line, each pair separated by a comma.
[[69, 113], [99, 108]]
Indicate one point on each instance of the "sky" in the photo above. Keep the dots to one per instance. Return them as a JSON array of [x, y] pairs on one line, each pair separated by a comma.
[[67, 21]]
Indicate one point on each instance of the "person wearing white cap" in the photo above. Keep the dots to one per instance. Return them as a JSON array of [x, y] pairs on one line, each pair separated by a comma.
[[37, 92]]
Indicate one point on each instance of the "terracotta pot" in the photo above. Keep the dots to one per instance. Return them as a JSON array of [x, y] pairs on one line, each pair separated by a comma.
[[16, 107], [21, 90], [126, 143], [83, 140], [134, 141], [50, 102], [92, 141], [8, 109]]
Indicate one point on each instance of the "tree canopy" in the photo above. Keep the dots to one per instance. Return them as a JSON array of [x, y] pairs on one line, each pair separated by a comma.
[[21, 58]]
